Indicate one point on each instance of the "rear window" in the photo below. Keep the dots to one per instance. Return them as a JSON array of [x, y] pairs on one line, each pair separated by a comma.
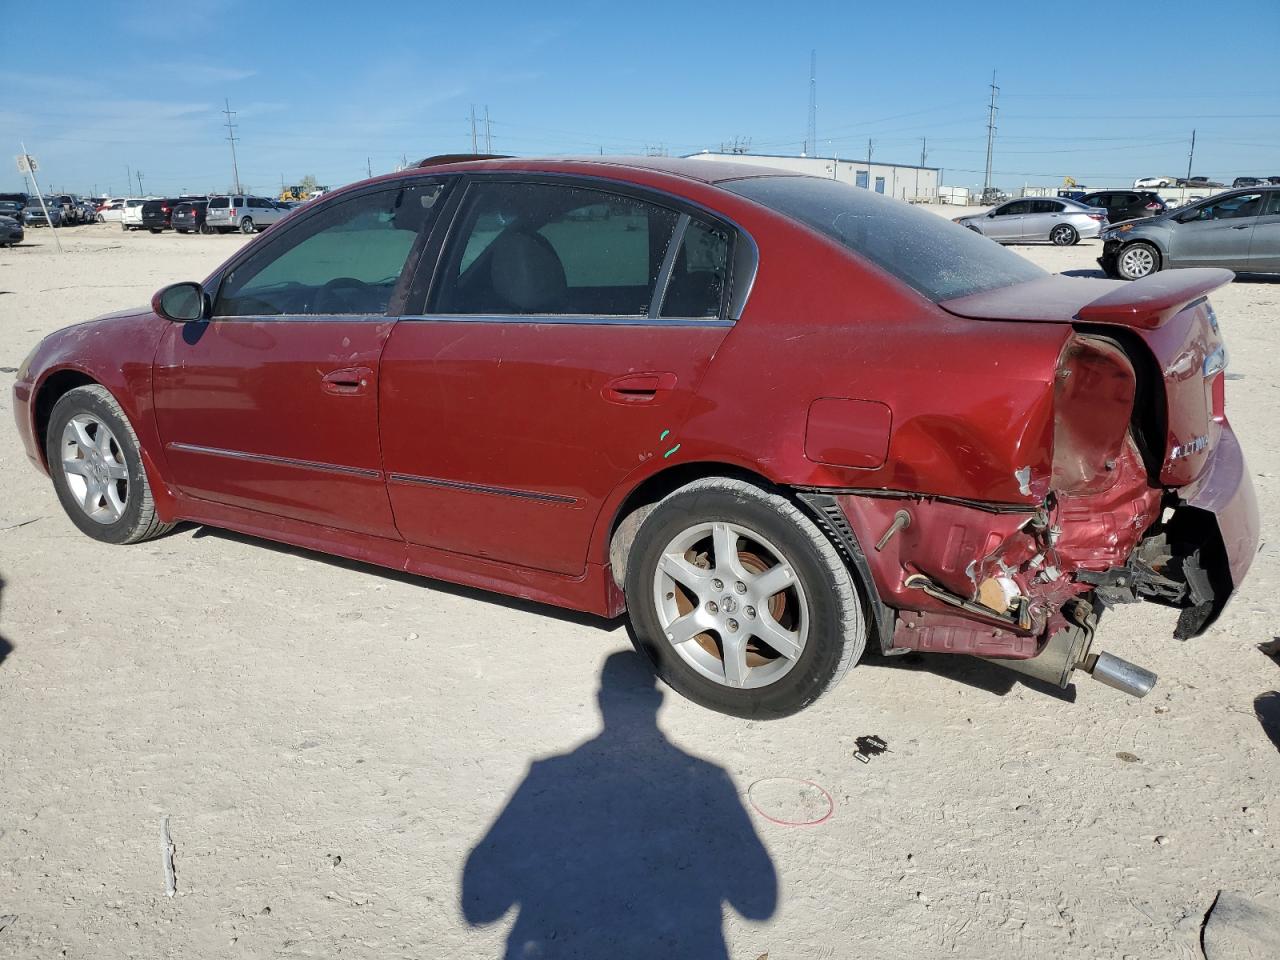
[[939, 259], [218, 203]]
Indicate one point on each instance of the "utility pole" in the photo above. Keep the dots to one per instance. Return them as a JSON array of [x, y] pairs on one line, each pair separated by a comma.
[[924, 153], [991, 132], [1191, 156], [128, 177], [231, 139], [811, 136], [474, 147], [869, 145], [488, 133], [368, 167], [138, 174]]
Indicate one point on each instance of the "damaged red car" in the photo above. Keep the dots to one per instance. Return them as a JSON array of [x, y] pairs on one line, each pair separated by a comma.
[[770, 417]]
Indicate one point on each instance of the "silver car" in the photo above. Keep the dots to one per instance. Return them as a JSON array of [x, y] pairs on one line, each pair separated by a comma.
[[1056, 220], [1236, 229]]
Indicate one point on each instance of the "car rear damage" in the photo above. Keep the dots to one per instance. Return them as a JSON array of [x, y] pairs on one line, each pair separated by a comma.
[[1145, 495]]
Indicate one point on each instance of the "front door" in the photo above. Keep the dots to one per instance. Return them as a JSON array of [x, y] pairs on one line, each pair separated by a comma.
[[1005, 223], [562, 344], [273, 404], [1217, 234]]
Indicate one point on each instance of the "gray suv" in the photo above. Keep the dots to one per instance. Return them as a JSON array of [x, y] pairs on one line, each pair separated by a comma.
[[243, 213], [1237, 229]]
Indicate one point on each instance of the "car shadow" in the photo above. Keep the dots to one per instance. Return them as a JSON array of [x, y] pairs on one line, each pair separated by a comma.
[[440, 586], [970, 671], [624, 847], [6, 647], [1266, 707], [1095, 274]]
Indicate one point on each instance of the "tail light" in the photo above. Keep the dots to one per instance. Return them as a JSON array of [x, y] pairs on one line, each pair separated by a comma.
[[1093, 405], [1097, 216], [1154, 206], [164, 209]]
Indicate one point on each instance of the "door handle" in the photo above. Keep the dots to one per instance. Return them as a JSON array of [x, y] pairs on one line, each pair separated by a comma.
[[347, 382], [638, 387]]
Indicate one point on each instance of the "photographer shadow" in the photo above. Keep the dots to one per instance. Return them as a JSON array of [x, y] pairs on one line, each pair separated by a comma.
[[626, 847]]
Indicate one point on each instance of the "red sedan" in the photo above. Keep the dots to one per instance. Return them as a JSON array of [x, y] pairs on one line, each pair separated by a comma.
[[771, 417]]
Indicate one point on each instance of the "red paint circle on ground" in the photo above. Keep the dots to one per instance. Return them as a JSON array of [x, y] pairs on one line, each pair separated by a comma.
[[791, 801]]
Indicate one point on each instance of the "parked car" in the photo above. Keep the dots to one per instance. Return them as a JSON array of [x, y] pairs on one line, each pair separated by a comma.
[[243, 213], [69, 206], [11, 231], [1249, 182], [131, 215], [110, 210], [1072, 194], [1198, 182], [1032, 219], [189, 217], [1239, 230], [34, 214], [1154, 183], [157, 215], [87, 211], [980, 482], [12, 208], [1126, 204], [1274, 181]]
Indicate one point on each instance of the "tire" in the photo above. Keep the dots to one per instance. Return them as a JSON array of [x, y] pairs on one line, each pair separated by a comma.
[[246, 225], [119, 514], [1064, 235], [817, 607], [206, 229], [155, 229], [1137, 260], [124, 228], [101, 219], [181, 231]]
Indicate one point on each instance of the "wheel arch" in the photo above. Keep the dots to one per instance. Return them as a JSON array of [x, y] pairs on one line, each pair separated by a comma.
[[51, 390], [627, 515]]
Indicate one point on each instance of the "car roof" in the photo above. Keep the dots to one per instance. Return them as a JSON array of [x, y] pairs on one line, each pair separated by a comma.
[[689, 168]]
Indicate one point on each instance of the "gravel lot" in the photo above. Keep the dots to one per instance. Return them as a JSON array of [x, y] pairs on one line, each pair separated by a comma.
[[331, 741]]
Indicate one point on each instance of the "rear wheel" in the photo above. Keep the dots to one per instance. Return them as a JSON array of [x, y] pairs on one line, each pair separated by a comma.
[[246, 225], [101, 218], [1063, 235], [1137, 260], [155, 229], [95, 460], [740, 602], [206, 229]]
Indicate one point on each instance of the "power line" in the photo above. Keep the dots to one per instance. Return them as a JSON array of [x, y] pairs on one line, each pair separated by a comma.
[[231, 139]]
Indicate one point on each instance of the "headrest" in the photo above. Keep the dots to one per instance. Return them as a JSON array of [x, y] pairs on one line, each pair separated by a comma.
[[526, 272]]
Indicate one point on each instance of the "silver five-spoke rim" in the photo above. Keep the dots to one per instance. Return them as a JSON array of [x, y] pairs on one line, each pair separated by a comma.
[[731, 605], [1137, 262], [95, 469]]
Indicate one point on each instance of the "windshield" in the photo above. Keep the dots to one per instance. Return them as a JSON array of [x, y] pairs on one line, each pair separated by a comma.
[[940, 259]]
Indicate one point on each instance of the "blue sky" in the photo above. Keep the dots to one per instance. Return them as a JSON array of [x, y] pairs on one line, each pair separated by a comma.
[[1088, 90]]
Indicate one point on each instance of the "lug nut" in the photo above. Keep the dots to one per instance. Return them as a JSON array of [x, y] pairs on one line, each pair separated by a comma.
[[732, 625], [718, 583], [712, 607], [751, 613], [740, 587]]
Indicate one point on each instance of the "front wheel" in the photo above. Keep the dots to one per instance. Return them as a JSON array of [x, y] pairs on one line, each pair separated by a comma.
[[740, 601], [95, 461], [246, 225], [1063, 235], [1137, 260]]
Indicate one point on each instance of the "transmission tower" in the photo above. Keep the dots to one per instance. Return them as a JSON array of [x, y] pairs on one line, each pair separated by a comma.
[[991, 132], [811, 136], [231, 139]]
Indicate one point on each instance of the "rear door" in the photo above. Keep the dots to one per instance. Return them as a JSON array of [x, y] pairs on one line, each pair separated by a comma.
[[273, 404], [1264, 247], [565, 334], [1218, 234]]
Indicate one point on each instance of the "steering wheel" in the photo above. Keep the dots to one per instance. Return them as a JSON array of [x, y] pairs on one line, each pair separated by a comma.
[[343, 295]]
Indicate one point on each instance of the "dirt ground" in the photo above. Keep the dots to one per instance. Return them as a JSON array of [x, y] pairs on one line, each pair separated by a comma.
[[330, 743]]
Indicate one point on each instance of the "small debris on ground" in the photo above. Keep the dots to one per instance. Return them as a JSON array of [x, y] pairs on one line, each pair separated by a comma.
[[1127, 757], [869, 747], [9, 918]]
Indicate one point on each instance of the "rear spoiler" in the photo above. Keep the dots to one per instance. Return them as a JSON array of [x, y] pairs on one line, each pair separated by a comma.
[[1145, 304], [1150, 302]]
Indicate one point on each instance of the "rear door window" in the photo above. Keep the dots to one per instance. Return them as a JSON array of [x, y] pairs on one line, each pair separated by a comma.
[[699, 273], [536, 248]]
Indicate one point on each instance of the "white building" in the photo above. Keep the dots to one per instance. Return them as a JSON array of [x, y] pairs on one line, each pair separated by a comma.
[[901, 180]]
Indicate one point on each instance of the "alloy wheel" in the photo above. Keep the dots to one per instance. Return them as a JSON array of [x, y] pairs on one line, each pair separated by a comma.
[[731, 605], [1137, 262], [94, 467]]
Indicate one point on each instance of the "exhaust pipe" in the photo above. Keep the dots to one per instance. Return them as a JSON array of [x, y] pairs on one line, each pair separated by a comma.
[[1124, 676]]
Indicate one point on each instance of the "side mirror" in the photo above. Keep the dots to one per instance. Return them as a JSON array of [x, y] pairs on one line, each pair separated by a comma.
[[991, 214], [182, 303]]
